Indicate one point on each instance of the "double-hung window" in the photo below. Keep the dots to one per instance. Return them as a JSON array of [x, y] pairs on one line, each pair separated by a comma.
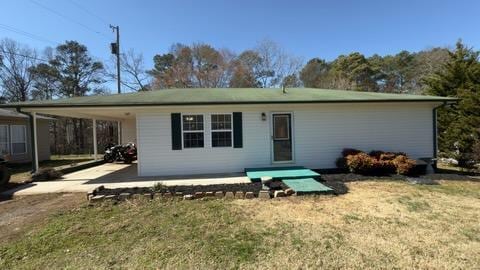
[[19, 139], [221, 125], [4, 140], [193, 130]]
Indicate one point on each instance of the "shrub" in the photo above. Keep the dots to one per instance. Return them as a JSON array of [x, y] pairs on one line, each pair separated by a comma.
[[360, 163], [46, 174], [376, 162], [403, 164]]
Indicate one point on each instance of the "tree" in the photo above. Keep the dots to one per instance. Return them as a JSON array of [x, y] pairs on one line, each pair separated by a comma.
[[78, 74], [133, 73], [316, 73], [274, 64], [70, 72], [458, 125], [198, 65], [246, 70], [354, 72], [15, 76]]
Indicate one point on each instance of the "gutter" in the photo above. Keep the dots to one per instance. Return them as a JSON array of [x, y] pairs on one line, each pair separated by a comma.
[[32, 139], [208, 103]]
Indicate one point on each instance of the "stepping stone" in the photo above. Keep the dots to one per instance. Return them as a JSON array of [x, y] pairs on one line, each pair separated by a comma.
[[98, 198], [279, 193], [264, 194], [239, 195]]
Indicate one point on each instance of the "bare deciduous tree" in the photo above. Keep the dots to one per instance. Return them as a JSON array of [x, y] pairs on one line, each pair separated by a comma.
[[275, 64], [134, 76], [15, 76]]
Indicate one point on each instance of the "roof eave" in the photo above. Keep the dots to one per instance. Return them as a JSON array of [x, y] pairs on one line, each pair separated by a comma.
[[449, 100]]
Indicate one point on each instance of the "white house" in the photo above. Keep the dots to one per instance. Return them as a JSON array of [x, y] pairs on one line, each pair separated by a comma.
[[196, 131]]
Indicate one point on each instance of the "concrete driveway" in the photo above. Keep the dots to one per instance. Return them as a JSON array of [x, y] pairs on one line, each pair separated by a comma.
[[116, 175]]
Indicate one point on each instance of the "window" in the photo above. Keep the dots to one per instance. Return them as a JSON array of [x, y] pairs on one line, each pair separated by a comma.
[[221, 130], [281, 127], [192, 131], [19, 139], [4, 140]]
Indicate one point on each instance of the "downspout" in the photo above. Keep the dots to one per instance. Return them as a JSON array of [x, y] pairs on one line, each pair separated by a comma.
[[32, 139], [435, 134]]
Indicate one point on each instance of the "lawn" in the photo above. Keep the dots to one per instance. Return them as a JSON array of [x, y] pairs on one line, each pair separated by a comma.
[[21, 172], [378, 224]]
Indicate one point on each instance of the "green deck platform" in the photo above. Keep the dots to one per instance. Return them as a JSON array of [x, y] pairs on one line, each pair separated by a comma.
[[280, 173], [307, 186]]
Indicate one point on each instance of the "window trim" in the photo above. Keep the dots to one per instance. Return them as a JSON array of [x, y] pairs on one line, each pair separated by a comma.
[[24, 142], [192, 131], [221, 130]]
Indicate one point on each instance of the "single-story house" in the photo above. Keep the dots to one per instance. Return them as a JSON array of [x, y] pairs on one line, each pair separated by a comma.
[[200, 131], [15, 134]]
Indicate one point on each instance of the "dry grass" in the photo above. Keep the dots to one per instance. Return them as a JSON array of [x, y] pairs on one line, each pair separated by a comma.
[[387, 225], [378, 225]]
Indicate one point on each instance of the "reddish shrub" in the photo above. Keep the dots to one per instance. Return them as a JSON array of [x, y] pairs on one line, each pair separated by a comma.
[[376, 153], [376, 162], [387, 156], [360, 163], [403, 164]]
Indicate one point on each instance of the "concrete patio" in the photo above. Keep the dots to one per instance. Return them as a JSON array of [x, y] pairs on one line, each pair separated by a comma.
[[116, 175]]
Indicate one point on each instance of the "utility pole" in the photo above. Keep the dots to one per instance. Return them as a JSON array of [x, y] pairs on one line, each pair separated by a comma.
[[115, 47]]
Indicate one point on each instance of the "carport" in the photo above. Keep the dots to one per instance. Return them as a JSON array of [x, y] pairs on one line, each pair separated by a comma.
[[124, 119]]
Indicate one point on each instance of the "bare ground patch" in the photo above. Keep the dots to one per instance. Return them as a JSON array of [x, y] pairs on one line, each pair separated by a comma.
[[17, 214]]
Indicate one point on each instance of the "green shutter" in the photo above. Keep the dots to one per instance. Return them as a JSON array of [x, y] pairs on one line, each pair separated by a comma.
[[237, 130], [176, 131]]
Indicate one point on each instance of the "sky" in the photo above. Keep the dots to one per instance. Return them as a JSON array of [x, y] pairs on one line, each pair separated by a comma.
[[322, 28]]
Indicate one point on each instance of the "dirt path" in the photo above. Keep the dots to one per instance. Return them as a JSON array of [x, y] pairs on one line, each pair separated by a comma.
[[18, 213]]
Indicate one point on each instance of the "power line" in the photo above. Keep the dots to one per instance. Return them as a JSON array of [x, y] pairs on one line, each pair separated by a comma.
[[24, 55], [89, 12], [27, 34], [69, 19]]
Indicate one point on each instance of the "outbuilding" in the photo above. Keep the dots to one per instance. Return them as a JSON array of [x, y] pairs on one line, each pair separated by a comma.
[[203, 131]]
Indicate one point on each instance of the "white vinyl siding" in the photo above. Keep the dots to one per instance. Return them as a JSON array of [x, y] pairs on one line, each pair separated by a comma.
[[320, 133]]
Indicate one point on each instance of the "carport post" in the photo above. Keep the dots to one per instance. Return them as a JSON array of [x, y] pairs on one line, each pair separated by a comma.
[[119, 130], [34, 141], [94, 129]]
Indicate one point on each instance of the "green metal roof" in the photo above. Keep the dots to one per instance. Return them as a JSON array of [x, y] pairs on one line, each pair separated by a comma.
[[210, 96]]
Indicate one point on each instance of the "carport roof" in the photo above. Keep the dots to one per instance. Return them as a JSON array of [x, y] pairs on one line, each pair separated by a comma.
[[212, 96]]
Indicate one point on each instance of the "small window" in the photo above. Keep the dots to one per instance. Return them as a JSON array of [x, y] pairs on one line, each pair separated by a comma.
[[19, 139], [193, 131], [4, 140], [221, 130]]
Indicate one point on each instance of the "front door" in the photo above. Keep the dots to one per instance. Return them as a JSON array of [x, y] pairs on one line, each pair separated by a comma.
[[282, 137]]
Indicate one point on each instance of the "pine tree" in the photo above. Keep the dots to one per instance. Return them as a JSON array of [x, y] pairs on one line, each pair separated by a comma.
[[458, 125]]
